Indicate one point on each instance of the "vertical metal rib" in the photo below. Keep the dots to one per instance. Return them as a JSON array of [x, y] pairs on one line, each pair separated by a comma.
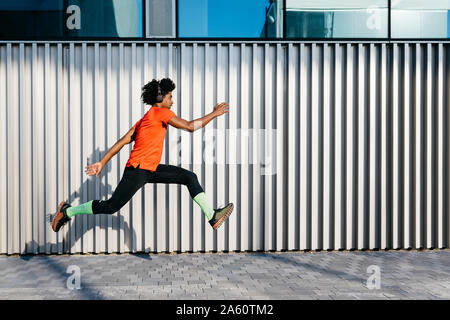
[[350, 151], [210, 235], [303, 149], [196, 147], [3, 152], [373, 227], [315, 135], [291, 149], [362, 161], [418, 150], [327, 155], [339, 151], [280, 191], [408, 156], [266, 150], [441, 150], [173, 156], [233, 145], [186, 67], [430, 159], [396, 172], [245, 156], [123, 114], [111, 128], [221, 127], [384, 149]]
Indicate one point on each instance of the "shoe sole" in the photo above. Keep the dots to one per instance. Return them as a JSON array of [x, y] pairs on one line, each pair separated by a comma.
[[224, 217], [59, 209]]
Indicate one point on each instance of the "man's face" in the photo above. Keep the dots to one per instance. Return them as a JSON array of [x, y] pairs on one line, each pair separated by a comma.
[[167, 102]]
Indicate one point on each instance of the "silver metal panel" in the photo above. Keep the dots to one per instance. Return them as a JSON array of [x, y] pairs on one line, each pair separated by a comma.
[[315, 152], [210, 235], [430, 159], [3, 158], [327, 151], [441, 150], [197, 216], [407, 154], [304, 187], [339, 151], [184, 106], [291, 153], [221, 122], [243, 213], [266, 147], [112, 168], [350, 150], [362, 160], [384, 150], [173, 152], [396, 152], [419, 150], [361, 145], [373, 156], [124, 124], [280, 114]]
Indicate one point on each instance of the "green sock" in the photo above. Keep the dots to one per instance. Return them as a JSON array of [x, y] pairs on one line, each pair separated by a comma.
[[84, 208], [201, 200]]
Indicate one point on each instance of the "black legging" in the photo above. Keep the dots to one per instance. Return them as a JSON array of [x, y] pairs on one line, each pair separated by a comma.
[[134, 178]]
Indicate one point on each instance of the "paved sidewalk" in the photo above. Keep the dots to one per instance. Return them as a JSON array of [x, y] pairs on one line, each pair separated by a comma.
[[287, 275]]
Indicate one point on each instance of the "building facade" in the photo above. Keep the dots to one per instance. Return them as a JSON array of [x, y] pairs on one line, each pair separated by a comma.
[[336, 139]]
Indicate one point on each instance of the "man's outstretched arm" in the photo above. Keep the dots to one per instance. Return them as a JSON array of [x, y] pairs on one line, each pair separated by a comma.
[[96, 168], [199, 123]]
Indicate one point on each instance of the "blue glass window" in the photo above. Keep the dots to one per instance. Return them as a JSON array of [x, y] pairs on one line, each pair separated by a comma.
[[337, 19], [420, 19], [230, 19]]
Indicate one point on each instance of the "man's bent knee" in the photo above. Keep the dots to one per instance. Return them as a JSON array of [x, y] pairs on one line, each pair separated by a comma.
[[192, 177], [103, 207]]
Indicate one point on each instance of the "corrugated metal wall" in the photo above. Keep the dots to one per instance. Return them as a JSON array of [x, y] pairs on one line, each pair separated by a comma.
[[362, 145]]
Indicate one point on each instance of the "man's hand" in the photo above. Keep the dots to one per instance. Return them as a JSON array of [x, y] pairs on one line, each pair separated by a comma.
[[95, 168], [221, 108]]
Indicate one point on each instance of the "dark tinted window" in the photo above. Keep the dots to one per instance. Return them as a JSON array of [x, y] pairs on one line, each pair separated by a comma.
[[31, 18], [35, 19]]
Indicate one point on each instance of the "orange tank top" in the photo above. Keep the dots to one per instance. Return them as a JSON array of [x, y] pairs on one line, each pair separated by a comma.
[[149, 135]]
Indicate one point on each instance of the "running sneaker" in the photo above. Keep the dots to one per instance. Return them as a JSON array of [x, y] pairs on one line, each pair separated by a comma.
[[220, 215], [60, 217]]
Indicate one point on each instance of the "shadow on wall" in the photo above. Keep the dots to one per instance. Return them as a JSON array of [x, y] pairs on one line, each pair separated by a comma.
[[108, 225]]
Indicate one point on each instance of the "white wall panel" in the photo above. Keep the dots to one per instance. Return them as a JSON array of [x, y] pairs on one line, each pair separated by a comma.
[[359, 132], [418, 148], [339, 153], [303, 215], [350, 148]]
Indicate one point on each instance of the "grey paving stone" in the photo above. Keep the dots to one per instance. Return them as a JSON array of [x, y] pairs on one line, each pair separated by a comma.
[[332, 275]]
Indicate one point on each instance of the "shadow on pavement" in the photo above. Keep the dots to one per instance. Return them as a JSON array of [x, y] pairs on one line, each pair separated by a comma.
[[59, 271]]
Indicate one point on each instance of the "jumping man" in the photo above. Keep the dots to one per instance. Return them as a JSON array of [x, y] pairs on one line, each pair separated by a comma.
[[143, 165]]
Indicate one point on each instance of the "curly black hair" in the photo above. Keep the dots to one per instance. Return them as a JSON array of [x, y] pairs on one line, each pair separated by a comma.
[[150, 90]]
